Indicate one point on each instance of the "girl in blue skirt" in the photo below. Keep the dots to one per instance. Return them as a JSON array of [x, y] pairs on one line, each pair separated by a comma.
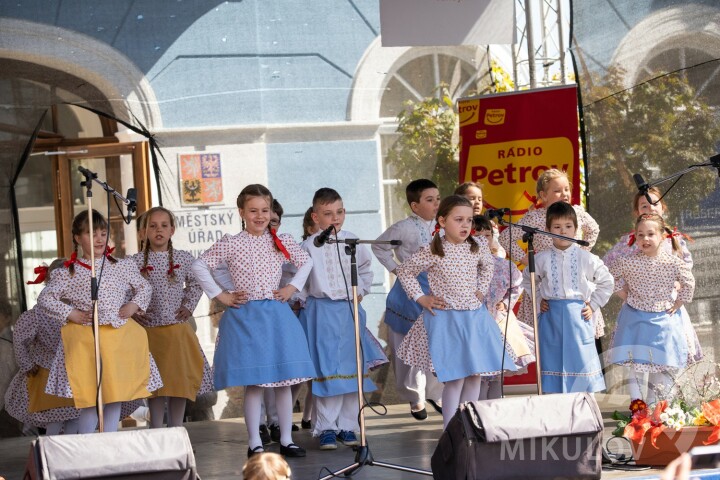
[[260, 342], [462, 342], [572, 284], [650, 336]]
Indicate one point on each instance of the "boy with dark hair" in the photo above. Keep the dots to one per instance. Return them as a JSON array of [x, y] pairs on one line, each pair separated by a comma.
[[572, 284], [329, 326], [415, 231]]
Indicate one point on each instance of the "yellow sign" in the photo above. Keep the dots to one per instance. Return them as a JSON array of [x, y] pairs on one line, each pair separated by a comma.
[[495, 116], [512, 168], [468, 112]]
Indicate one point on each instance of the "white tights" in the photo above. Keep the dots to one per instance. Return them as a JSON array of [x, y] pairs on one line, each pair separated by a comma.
[[283, 402], [490, 389], [89, 419], [176, 411], [657, 381], [456, 391]]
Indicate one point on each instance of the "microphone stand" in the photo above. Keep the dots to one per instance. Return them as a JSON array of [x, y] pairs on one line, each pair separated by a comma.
[[362, 453], [91, 177], [714, 162], [528, 237]]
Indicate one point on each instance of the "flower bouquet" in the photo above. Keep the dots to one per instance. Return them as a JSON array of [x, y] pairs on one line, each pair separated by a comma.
[[688, 416]]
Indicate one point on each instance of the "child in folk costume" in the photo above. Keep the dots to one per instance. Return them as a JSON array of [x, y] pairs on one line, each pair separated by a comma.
[[473, 191], [415, 231], [35, 341], [572, 284], [173, 343], [455, 336], [260, 342], [128, 369], [328, 322], [649, 336], [674, 244], [500, 300], [552, 186]]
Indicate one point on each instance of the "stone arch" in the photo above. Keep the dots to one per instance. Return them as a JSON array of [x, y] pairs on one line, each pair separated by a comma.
[[95, 62]]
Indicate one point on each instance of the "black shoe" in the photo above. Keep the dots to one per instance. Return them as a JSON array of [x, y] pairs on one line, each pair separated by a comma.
[[256, 450], [306, 424], [420, 414], [295, 428], [265, 437], [292, 450], [434, 404], [275, 433]]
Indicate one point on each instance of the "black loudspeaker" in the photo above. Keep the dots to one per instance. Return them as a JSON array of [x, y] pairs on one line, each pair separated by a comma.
[[162, 454], [548, 436]]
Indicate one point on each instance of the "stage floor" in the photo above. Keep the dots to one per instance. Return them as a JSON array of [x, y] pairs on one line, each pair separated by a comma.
[[220, 448]]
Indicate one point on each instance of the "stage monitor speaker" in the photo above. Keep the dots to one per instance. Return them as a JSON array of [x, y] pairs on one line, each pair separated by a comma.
[[548, 436], [160, 454]]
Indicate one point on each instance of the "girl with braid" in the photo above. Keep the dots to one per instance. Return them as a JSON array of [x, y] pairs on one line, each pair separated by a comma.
[[128, 369], [260, 342], [173, 343], [454, 336]]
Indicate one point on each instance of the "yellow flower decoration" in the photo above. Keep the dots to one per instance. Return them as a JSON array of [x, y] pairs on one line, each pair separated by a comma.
[[700, 420]]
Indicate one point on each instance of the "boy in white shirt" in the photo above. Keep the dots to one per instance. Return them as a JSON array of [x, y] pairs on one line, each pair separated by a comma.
[[415, 231]]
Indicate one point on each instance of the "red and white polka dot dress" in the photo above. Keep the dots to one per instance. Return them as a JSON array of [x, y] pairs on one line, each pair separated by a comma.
[[35, 341], [119, 283], [168, 295]]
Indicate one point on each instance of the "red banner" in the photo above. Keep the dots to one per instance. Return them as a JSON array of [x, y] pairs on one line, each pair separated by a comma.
[[508, 139]]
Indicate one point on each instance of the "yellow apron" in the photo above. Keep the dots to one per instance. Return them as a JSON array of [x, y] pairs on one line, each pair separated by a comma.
[[176, 351], [39, 400], [125, 362]]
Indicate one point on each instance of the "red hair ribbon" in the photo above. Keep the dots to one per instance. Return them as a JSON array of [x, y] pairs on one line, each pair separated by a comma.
[[109, 250], [41, 273], [149, 268], [472, 232], [74, 259], [279, 243], [437, 229], [631, 238], [675, 233], [173, 267]]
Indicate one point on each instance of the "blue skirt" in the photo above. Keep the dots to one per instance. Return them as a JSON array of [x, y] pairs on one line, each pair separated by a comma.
[[465, 343], [330, 331], [568, 357], [401, 311], [260, 342], [654, 338]]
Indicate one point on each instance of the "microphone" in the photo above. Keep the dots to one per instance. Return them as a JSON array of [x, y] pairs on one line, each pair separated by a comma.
[[131, 198], [322, 238], [643, 187], [497, 213], [88, 173]]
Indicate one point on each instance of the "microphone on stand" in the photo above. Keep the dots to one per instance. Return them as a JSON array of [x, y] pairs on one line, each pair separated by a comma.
[[643, 187], [497, 213], [131, 198], [323, 237]]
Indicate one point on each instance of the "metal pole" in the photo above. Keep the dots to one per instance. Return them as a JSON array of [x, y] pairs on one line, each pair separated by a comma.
[[544, 38], [530, 43], [561, 42]]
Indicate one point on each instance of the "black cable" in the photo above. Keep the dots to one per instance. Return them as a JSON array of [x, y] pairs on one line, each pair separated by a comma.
[[668, 190], [507, 318], [652, 80], [367, 403]]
